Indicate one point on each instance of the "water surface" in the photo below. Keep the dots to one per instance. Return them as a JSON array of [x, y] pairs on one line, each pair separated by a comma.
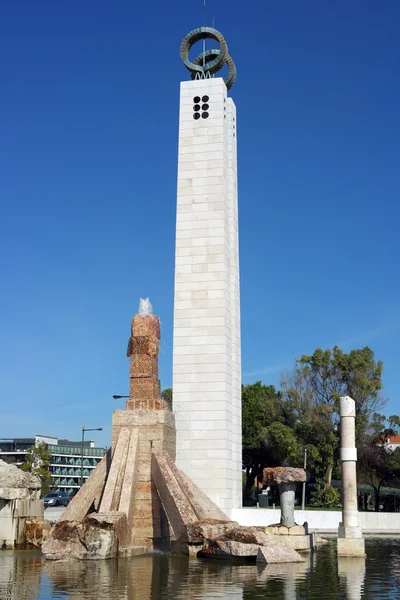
[[24, 575]]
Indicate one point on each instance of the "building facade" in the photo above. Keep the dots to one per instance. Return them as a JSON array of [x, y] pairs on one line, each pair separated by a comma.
[[65, 462]]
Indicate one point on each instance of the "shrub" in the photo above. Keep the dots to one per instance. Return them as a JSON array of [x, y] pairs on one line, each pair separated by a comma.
[[325, 497]]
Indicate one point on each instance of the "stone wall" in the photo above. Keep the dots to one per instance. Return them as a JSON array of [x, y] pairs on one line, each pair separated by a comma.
[[319, 520], [13, 515], [19, 500]]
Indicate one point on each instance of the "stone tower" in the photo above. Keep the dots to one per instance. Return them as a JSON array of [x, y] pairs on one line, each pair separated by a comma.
[[206, 347], [143, 348]]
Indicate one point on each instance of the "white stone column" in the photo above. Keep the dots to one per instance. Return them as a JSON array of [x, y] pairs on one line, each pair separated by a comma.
[[350, 540], [206, 348]]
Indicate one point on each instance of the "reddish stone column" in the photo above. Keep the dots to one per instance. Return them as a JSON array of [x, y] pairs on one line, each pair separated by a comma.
[[143, 351]]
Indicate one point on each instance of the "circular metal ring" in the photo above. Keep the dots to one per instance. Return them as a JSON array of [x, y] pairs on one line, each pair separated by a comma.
[[210, 62], [232, 73], [210, 55]]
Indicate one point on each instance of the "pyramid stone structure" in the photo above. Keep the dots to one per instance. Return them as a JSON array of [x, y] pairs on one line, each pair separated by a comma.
[[136, 497]]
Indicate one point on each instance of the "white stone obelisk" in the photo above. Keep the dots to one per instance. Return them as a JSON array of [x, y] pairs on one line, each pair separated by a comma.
[[206, 352], [350, 540]]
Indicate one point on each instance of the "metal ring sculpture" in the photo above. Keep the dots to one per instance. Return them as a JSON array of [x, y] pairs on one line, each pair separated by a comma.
[[210, 62]]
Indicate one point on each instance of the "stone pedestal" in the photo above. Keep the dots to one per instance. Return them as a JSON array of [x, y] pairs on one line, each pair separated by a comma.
[[350, 540], [19, 501], [296, 537], [286, 478], [154, 431], [128, 510], [137, 499]]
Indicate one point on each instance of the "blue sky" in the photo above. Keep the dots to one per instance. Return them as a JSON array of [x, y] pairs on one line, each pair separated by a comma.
[[89, 115]]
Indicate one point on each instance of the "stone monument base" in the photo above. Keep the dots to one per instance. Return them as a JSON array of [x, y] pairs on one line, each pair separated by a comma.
[[151, 431], [351, 546], [350, 541], [296, 537], [137, 499]]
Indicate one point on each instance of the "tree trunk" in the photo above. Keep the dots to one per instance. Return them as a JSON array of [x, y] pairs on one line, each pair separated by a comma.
[[377, 498], [328, 476]]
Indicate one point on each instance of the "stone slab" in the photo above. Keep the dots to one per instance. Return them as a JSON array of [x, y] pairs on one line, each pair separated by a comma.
[[16, 484], [198, 532], [282, 530], [36, 531], [127, 498], [92, 539], [127, 551], [90, 493], [281, 475], [162, 420], [228, 549], [29, 508], [202, 505], [304, 543], [251, 535], [119, 457], [278, 554], [351, 547], [176, 506]]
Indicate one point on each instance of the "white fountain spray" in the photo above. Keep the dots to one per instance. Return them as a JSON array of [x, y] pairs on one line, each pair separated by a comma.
[[145, 307]]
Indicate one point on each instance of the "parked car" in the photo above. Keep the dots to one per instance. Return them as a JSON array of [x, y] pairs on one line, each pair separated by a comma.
[[56, 499]]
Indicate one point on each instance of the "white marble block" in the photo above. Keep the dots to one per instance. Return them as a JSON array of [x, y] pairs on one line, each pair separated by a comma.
[[206, 354]]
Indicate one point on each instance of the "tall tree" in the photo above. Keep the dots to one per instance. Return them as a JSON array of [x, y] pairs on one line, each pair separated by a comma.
[[37, 462], [315, 386], [377, 464], [269, 438]]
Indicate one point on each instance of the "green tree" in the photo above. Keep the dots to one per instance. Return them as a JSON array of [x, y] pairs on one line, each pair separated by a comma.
[[269, 437], [325, 496], [377, 464], [167, 396], [314, 388], [37, 462]]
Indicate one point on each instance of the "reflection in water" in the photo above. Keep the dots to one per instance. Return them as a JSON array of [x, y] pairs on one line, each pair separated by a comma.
[[352, 569], [289, 573], [85, 579], [19, 574], [26, 576]]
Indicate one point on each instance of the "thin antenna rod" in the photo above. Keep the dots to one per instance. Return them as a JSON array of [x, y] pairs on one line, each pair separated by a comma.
[[204, 41]]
